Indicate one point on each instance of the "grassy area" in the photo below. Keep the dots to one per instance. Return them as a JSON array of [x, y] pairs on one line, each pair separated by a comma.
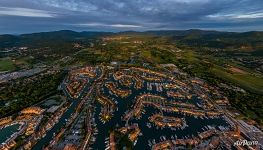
[[246, 81], [6, 64], [24, 61], [158, 56], [190, 56]]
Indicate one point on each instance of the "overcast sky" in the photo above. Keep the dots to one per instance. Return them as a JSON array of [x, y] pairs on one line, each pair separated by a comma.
[[24, 16]]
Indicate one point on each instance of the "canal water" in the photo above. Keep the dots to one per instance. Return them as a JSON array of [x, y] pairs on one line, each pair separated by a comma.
[[57, 127], [66, 116], [195, 125], [5, 133]]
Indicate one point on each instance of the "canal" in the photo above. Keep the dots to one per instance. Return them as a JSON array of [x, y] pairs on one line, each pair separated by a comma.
[[6, 132], [66, 116], [57, 127], [195, 125]]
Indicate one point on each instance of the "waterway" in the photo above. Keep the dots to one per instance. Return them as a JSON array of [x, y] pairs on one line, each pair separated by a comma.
[[57, 127], [6, 133], [66, 116], [195, 125]]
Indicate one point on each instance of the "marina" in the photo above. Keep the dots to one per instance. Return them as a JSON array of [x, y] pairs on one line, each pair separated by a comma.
[[192, 125]]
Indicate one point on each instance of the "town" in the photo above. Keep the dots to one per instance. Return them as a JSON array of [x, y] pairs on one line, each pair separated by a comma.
[[111, 107]]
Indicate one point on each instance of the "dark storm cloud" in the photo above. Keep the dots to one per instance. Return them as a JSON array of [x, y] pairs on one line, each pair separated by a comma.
[[116, 15]]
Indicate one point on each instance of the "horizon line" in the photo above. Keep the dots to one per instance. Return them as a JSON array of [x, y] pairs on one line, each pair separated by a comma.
[[153, 30]]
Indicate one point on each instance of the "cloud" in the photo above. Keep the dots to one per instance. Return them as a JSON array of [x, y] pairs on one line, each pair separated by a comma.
[[108, 25], [125, 26], [26, 12], [250, 15], [108, 15]]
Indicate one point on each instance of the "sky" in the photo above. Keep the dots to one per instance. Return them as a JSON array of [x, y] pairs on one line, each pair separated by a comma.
[[26, 16]]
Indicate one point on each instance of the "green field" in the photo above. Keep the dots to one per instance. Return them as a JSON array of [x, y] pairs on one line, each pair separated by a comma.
[[246, 81], [6, 64]]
